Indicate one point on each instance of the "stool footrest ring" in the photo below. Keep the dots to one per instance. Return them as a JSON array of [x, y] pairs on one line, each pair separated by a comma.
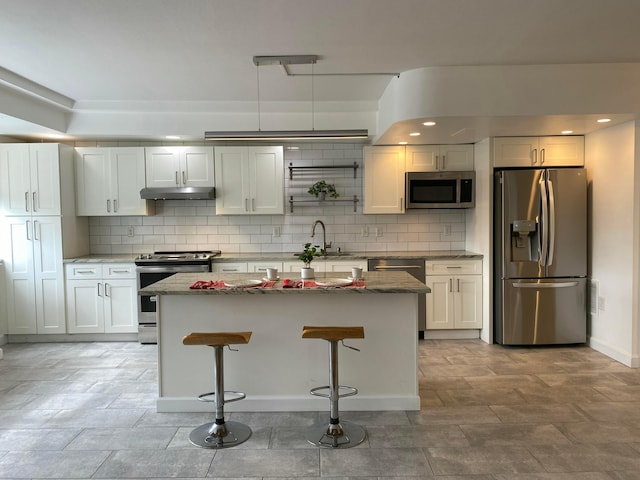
[[237, 396], [350, 391]]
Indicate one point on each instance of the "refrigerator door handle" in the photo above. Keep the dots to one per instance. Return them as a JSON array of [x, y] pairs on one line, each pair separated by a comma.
[[544, 285], [551, 231], [544, 221]]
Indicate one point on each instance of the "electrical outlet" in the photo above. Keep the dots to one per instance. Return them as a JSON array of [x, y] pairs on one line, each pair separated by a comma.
[[377, 231], [364, 231], [601, 304], [446, 230], [276, 231], [130, 231]]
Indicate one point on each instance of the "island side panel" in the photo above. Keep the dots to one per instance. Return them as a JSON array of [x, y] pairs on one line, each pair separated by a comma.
[[278, 368]]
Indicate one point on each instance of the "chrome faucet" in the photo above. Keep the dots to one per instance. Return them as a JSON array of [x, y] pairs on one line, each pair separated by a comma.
[[325, 245]]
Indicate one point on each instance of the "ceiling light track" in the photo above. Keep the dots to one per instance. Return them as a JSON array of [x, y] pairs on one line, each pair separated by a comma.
[[287, 135]]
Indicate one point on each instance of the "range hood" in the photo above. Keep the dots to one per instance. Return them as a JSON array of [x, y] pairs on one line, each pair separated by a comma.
[[178, 193]]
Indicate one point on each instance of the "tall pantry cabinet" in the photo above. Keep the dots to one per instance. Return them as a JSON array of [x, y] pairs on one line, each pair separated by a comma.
[[38, 228]]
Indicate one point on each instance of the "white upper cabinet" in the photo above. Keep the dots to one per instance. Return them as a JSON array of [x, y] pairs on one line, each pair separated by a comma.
[[171, 167], [109, 180], [435, 158], [30, 179], [559, 151], [249, 180], [384, 171]]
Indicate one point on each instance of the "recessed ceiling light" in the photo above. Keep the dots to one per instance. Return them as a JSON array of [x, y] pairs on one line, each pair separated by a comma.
[[414, 134], [402, 143], [429, 124], [604, 120], [172, 137], [566, 132]]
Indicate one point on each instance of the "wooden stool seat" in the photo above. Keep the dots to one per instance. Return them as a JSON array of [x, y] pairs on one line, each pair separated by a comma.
[[217, 339], [220, 433], [332, 333]]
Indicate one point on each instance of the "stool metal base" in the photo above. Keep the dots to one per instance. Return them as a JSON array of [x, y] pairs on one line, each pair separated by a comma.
[[227, 435], [341, 435]]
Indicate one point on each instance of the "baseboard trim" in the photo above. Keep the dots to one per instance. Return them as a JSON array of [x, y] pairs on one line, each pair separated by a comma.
[[290, 404], [614, 352], [79, 337], [451, 334]]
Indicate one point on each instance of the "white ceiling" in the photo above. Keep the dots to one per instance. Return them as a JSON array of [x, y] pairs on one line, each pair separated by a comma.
[[123, 57]]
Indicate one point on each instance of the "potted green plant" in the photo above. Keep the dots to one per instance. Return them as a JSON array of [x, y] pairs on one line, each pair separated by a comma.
[[306, 257], [321, 188]]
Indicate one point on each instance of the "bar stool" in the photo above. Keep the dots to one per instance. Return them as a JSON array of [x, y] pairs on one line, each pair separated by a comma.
[[219, 434], [336, 434]]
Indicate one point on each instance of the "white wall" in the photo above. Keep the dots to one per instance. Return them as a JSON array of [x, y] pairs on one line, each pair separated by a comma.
[[613, 260], [190, 225], [479, 230]]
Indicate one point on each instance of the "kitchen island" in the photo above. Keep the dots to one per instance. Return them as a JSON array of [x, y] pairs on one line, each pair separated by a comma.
[[277, 368]]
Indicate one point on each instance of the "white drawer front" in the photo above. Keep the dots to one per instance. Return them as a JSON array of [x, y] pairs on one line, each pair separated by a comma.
[[453, 267], [83, 270], [119, 270]]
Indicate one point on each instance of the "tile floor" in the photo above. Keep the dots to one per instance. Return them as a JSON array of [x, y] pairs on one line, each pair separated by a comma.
[[86, 410]]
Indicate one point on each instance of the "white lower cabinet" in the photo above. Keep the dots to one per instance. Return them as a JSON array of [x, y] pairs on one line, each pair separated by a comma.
[[101, 298], [34, 276], [455, 301]]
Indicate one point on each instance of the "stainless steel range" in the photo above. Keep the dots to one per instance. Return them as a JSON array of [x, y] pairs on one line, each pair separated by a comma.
[[154, 267]]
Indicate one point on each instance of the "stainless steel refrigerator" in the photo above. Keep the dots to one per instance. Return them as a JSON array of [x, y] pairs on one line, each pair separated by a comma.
[[540, 256]]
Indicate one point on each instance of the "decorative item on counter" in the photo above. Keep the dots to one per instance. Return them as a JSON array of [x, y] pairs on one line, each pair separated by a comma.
[[321, 188], [306, 257]]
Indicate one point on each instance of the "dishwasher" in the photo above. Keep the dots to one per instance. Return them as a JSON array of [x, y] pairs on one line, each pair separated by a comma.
[[414, 267]]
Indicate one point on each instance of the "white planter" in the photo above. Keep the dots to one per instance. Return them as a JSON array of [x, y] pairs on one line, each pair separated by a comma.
[[306, 273]]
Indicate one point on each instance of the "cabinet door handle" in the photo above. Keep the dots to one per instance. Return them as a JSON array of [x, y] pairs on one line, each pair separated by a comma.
[[444, 159], [99, 292], [109, 206], [458, 285], [27, 228], [451, 284], [253, 204], [535, 156], [177, 181], [107, 290], [246, 204], [35, 230], [115, 205], [542, 152], [184, 178], [26, 201], [34, 201]]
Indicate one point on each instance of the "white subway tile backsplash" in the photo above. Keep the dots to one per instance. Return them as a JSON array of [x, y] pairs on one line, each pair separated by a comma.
[[193, 224]]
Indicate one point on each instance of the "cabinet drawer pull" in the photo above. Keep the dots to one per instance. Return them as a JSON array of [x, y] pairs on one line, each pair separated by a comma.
[[454, 266], [120, 271], [85, 272]]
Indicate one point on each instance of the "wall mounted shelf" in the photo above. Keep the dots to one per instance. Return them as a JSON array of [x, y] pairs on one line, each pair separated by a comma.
[[354, 200], [293, 168]]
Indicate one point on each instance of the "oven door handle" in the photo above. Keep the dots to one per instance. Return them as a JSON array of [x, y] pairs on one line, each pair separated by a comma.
[[171, 268]]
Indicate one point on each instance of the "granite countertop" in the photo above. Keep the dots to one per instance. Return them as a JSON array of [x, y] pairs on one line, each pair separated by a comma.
[[428, 255], [375, 282], [285, 256]]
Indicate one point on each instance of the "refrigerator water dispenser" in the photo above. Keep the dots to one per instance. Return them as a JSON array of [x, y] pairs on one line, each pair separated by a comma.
[[523, 234]]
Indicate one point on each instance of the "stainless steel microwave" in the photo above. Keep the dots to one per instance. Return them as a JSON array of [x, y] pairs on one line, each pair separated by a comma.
[[440, 189]]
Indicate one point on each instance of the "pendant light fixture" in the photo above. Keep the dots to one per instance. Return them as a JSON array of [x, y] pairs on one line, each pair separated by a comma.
[[281, 135]]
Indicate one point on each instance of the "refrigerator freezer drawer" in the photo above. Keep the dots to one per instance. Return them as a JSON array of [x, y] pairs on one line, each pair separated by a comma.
[[544, 312]]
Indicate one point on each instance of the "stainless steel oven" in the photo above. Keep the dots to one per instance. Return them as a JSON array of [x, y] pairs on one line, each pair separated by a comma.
[[152, 268]]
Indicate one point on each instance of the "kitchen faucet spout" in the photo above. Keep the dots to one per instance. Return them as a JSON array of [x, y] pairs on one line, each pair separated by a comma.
[[325, 245]]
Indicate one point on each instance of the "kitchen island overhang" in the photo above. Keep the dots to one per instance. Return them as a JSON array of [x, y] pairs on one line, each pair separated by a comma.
[[278, 368]]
